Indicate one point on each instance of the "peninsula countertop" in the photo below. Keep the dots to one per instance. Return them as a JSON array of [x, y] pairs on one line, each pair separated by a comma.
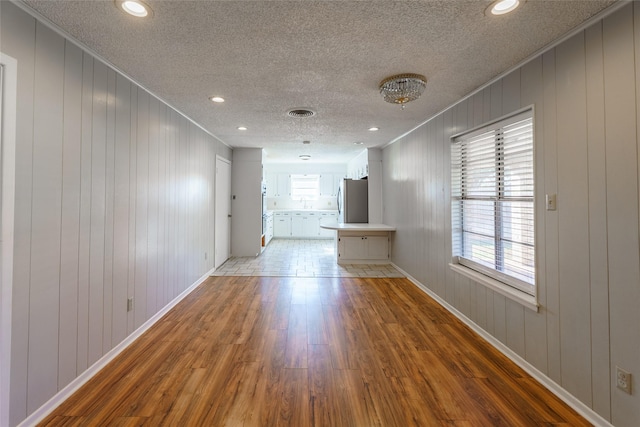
[[357, 227]]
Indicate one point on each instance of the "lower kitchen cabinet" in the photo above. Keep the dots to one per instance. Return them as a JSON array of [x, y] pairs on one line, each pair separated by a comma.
[[367, 247]]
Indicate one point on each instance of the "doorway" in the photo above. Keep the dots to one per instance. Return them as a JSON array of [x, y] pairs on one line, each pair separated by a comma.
[[222, 221]]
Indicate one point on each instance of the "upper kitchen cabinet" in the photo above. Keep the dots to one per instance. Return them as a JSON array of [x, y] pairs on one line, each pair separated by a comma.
[[329, 183], [278, 184]]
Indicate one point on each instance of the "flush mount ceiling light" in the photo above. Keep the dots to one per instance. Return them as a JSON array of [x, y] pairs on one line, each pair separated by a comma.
[[501, 7], [374, 129], [242, 128], [135, 8], [304, 156], [402, 88], [301, 112], [217, 99]]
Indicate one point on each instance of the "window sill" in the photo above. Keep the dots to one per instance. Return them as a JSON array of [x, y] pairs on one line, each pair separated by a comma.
[[529, 301]]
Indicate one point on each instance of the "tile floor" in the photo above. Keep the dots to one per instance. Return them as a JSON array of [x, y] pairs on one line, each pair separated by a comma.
[[301, 258]]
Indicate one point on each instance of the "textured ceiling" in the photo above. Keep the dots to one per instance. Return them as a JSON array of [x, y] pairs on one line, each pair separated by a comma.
[[266, 57]]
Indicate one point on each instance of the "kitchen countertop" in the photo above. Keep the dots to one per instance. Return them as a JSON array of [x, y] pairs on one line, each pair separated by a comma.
[[357, 227]]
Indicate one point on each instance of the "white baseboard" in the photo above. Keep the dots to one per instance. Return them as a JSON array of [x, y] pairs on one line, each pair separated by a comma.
[[39, 414], [588, 413]]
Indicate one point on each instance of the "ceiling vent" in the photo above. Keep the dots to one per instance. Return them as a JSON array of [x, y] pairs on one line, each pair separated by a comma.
[[301, 112]]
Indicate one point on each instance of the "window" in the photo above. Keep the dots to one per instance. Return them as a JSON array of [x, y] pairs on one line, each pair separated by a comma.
[[305, 187], [492, 206]]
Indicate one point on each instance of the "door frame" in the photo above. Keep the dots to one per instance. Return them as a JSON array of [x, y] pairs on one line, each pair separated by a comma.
[[217, 229], [8, 105]]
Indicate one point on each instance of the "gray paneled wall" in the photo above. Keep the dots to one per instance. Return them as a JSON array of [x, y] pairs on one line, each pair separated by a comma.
[[114, 199], [585, 92]]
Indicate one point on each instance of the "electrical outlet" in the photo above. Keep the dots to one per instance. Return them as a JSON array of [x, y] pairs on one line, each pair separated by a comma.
[[129, 303], [623, 380]]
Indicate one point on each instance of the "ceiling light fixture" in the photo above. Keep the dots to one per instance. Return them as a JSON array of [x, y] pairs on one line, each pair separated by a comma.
[[501, 7], [358, 143], [242, 128], [402, 88], [301, 112], [217, 99], [374, 129], [135, 8], [304, 156]]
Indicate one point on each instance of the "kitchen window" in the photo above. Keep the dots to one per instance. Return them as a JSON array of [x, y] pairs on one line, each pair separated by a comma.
[[492, 204], [305, 187]]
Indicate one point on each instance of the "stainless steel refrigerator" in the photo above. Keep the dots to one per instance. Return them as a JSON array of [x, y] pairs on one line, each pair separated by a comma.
[[353, 201]]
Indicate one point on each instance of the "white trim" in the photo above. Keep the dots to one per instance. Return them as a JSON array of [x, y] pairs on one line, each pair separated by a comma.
[[62, 33], [527, 300], [48, 407], [586, 24], [10, 82], [588, 413]]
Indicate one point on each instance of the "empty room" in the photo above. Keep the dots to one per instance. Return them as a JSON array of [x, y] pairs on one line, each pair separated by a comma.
[[319, 213]]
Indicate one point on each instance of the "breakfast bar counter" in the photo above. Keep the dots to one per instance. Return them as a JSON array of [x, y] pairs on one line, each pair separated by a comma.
[[361, 243]]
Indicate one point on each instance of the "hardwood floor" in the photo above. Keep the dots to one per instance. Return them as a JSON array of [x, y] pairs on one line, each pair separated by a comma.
[[267, 351]]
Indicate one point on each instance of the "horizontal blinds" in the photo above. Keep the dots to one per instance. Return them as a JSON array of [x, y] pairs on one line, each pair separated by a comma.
[[305, 187], [492, 200]]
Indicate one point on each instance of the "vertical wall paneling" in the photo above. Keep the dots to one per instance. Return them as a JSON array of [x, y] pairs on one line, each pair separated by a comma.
[[441, 172], [85, 214], [107, 295], [113, 200], [70, 237], [548, 117], [133, 203], [153, 209], [573, 221], [45, 218], [142, 197], [535, 323], [622, 203], [19, 43], [98, 210], [585, 93], [121, 210], [598, 257]]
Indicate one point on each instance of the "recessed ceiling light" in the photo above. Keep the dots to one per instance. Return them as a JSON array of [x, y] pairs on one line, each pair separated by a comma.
[[374, 129], [242, 128], [358, 143], [500, 7], [304, 156], [217, 99], [135, 8]]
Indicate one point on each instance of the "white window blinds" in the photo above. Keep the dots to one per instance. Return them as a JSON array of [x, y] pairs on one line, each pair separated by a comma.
[[305, 187], [492, 201]]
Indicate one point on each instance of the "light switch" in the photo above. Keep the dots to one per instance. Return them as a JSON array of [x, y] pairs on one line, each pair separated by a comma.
[[551, 202]]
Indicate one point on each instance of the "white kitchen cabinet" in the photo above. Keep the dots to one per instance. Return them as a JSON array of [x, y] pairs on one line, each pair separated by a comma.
[[296, 225], [305, 224], [281, 224], [278, 185], [329, 184], [327, 218], [363, 248], [268, 235], [311, 225]]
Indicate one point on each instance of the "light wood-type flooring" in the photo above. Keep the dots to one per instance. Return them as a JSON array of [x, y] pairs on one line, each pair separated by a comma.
[[267, 351]]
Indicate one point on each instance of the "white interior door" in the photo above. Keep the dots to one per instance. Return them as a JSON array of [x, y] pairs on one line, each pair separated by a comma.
[[223, 211]]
